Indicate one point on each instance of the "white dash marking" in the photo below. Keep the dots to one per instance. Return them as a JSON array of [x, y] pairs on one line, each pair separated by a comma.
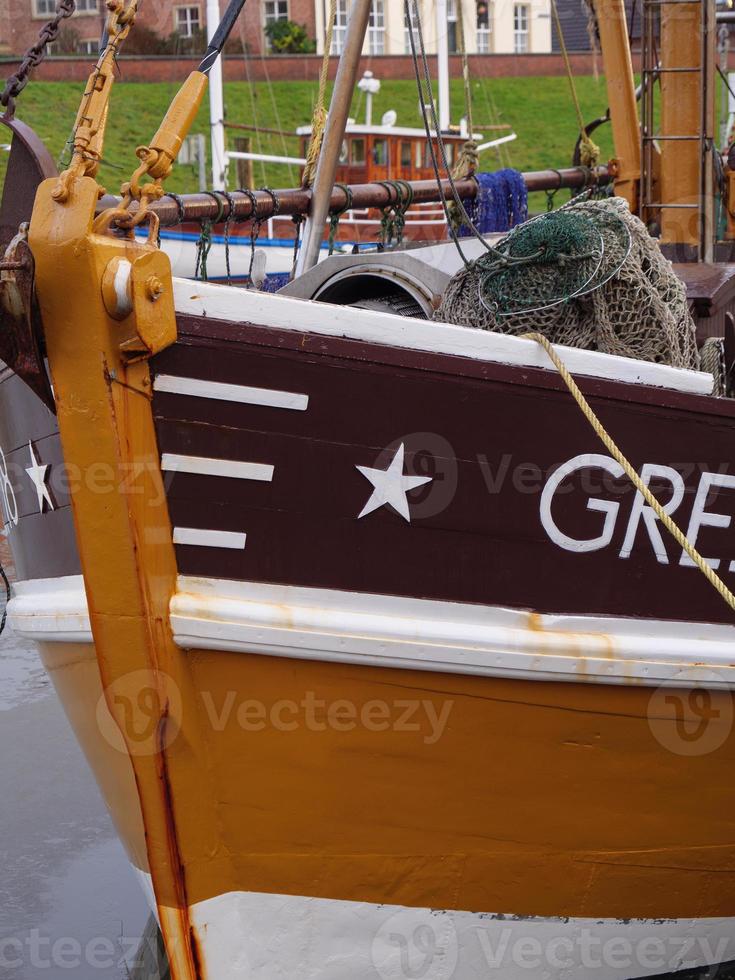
[[205, 466], [197, 388], [209, 539]]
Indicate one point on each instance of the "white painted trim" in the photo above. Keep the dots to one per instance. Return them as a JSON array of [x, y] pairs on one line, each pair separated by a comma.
[[50, 609], [399, 633], [205, 466], [491, 641], [295, 937], [217, 302], [231, 393], [201, 538]]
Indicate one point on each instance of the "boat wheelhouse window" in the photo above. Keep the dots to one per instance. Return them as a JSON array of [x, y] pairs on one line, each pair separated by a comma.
[[340, 26], [344, 152], [380, 153], [405, 155], [452, 27], [418, 149], [187, 21], [358, 152], [484, 27], [520, 28], [376, 27]]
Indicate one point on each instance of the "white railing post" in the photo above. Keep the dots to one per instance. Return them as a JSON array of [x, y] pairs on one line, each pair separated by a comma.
[[216, 105]]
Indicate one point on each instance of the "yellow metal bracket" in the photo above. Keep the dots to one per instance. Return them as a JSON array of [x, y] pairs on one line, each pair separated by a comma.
[[91, 121]]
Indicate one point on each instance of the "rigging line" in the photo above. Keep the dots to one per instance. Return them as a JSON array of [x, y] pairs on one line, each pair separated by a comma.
[[276, 113], [440, 139], [253, 101], [427, 127], [502, 151], [221, 35], [440, 143]]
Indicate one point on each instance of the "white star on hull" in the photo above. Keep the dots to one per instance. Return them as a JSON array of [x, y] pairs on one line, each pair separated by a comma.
[[391, 486], [38, 477]]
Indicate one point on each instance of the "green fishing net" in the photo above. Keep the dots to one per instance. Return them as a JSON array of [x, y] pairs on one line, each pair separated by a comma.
[[588, 275]]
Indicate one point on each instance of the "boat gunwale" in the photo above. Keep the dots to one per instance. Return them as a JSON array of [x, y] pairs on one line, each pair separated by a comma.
[[252, 317]]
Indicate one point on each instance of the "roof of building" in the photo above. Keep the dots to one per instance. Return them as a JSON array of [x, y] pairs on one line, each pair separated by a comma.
[[575, 24]]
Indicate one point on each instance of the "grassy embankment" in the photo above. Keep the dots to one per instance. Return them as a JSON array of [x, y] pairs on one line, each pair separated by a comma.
[[539, 110]]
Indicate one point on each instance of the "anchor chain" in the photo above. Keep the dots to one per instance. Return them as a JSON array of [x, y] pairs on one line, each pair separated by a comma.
[[34, 56]]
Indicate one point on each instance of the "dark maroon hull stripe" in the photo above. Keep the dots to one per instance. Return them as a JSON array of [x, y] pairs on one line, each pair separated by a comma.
[[43, 544], [488, 435]]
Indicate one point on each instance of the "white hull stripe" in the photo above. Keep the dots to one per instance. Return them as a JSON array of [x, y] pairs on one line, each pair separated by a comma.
[[243, 394], [204, 466], [199, 537], [262, 936], [418, 634], [218, 302]]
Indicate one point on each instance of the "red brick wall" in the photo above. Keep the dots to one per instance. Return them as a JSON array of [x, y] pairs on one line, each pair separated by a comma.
[[19, 28], [306, 68]]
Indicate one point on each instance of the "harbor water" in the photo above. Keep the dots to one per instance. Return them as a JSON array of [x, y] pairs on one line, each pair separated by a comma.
[[70, 905]]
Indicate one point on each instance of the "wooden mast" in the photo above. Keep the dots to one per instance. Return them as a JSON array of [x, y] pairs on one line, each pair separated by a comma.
[[613, 28], [687, 124], [339, 109]]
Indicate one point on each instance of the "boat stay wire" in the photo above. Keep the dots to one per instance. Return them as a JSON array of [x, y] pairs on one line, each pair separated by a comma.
[[221, 35]]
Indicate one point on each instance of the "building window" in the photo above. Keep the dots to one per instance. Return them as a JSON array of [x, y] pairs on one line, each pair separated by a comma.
[[340, 27], [188, 22], [274, 10], [484, 27], [407, 37], [520, 28], [89, 47], [47, 8], [376, 27], [452, 25]]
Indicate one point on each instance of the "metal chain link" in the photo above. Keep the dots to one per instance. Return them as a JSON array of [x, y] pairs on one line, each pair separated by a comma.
[[34, 56]]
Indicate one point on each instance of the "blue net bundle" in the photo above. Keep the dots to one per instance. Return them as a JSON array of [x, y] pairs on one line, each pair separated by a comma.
[[501, 202]]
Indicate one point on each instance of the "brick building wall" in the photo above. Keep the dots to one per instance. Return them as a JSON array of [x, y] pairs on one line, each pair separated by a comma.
[[306, 68], [20, 20]]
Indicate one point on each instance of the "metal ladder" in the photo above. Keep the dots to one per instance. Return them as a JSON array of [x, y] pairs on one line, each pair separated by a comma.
[[651, 71]]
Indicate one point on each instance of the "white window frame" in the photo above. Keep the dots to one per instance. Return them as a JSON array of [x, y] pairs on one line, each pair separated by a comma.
[[521, 28], [88, 46], [339, 31], [47, 8], [273, 11], [407, 37], [453, 18], [376, 27], [189, 21], [485, 34]]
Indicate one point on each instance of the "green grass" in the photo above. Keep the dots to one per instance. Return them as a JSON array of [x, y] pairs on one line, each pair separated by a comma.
[[539, 110]]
